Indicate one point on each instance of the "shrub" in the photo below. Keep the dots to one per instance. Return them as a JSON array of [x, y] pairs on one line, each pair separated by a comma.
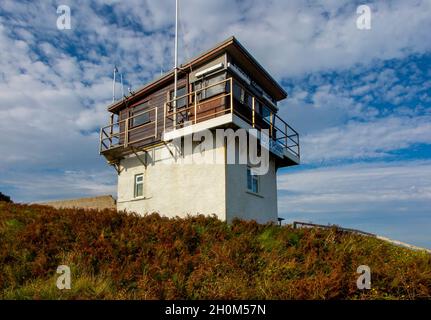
[[125, 256], [5, 198]]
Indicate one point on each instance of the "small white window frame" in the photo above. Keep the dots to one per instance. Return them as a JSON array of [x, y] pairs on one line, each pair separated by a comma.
[[253, 178], [138, 180]]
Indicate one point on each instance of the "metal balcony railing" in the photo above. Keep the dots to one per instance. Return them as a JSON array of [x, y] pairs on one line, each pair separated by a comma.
[[120, 133], [203, 104], [197, 109]]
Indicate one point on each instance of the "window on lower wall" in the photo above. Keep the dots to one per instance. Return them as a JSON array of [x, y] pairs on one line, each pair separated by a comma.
[[139, 185], [252, 181]]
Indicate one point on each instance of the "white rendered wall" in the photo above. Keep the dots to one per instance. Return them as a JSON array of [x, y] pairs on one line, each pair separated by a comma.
[[173, 189], [181, 189], [246, 205]]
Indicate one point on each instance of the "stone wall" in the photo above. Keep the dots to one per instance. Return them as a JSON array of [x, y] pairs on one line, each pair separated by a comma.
[[100, 203]]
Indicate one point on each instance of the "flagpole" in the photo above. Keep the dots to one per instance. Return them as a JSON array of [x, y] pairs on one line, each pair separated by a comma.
[[176, 60], [113, 84], [122, 86]]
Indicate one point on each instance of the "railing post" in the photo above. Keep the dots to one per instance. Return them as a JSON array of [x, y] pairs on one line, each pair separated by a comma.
[[175, 114], [126, 133], [231, 96], [299, 150], [155, 124], [164, 117], [271, 120], [253, 111], [100, 141], [285, 133], [196, 106], [111, 130]]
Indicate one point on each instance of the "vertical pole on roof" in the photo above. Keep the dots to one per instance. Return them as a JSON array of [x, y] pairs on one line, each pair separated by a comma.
[[176, 62], [113, 84], [122, 86]]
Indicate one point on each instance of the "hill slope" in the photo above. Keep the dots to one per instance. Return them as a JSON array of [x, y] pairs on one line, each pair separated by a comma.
[[119, 256]]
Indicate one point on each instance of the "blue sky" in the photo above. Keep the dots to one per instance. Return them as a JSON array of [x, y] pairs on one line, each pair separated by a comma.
[[359, 98]]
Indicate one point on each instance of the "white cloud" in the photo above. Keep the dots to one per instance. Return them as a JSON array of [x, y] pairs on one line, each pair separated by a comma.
[[349, 185], [299, 39], [361, 140], [390, 199], [45, 186]]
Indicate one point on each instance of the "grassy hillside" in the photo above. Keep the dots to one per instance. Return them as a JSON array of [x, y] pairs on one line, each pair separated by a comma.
[[118, 256]]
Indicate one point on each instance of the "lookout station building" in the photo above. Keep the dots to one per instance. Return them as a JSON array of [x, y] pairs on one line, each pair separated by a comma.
[[224, 88]]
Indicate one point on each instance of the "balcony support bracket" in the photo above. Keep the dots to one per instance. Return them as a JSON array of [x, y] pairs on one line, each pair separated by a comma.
[[117, 167], [169, 149], [143, 161]]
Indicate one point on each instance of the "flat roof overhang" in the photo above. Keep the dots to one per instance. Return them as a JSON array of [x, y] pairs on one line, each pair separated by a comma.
[[233, 47]]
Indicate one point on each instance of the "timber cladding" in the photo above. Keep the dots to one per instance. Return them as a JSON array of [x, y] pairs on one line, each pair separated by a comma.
[[156, 100]]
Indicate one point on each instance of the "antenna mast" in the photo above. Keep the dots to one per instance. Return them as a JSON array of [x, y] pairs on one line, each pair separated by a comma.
[[113, 84], [176, 54], [122, 86]]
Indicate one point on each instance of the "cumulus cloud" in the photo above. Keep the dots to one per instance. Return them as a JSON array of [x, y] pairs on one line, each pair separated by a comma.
[[392, 199], [53, 185], [362, 140], [358, 183], [301, 38]]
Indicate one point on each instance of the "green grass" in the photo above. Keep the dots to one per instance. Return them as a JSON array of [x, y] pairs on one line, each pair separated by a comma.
[[124, 256]]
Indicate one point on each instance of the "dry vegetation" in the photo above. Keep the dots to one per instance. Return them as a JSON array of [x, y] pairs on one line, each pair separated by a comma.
[[119, 256]]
